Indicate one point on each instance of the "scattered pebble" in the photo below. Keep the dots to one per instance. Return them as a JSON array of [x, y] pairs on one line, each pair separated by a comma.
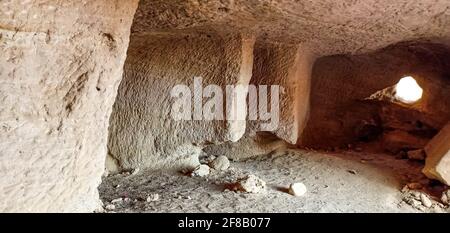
[[220, 163], [152, 197], [297, 189], [251, 184], [117, 200], [425, 200], [135, 171], [417, 199], [201, 171], [110, 207]]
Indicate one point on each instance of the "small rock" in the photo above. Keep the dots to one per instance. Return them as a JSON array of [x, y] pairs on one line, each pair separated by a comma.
[[445, 198], [297, 189], [425, 200], [100, 209], [127, 199], [416, 154], [135, 171], [220, 163], [201, 170], [110, 207], [251, 184], [117, 200], [152, 197]]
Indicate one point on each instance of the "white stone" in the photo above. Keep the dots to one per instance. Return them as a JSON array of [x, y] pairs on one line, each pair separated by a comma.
[[110, 207], [201, 171], [251, 184], [135, 171], [153, 197], [220, 163], [117, 200], [425, 200], [297, 189]]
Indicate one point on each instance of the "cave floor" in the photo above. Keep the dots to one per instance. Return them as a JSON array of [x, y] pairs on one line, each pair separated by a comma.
[[336, 182]]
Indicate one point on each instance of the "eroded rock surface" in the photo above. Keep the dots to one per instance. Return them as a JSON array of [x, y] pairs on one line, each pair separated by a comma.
[[60, 66], [437, 164]]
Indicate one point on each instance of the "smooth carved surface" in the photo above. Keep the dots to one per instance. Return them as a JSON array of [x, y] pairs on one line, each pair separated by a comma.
[[143, 132]]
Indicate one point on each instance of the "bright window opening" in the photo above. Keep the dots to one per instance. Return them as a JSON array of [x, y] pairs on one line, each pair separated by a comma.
[[408, 91]]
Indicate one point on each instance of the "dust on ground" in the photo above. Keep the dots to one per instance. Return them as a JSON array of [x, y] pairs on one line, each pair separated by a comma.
[[336, 182]]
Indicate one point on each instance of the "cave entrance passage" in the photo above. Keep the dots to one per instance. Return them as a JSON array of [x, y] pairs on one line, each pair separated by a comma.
[[390, 101]]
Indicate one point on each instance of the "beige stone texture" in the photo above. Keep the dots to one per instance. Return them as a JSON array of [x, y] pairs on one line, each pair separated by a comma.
[[60, 66], [437, 164]]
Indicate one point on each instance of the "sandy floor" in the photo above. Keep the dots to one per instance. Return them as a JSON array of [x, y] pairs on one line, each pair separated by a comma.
[[336, 182]]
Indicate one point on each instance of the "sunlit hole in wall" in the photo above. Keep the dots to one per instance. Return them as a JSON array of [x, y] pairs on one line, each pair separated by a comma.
[[408, 91]]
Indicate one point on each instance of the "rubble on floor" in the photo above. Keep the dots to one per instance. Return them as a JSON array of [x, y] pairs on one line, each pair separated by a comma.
[[251, 184], [220, 163], [420, 200], [201, 170], [376, 184]]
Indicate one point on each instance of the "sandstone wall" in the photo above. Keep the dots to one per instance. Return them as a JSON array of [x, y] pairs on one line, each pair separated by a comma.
[[60, 66], [288, 66], [341, 113], [143, 132]]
